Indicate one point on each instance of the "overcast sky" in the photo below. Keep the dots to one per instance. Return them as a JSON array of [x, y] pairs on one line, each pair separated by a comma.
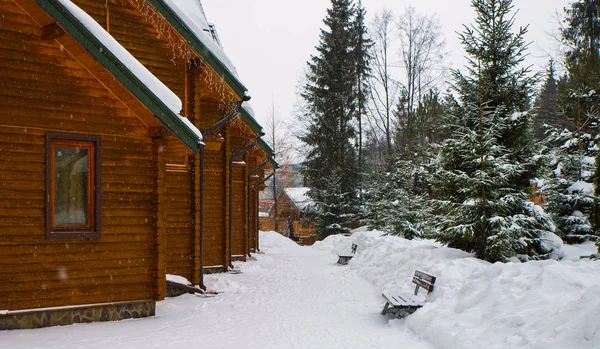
[[270, 41]]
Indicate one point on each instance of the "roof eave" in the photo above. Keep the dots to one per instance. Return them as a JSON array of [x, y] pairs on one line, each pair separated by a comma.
[[251, 121], [210, 58], [109, 61]]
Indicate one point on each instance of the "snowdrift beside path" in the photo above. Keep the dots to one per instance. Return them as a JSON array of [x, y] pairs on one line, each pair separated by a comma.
[[475, 304]]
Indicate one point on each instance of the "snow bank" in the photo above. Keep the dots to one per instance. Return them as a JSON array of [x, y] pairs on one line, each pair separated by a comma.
[[178, 279], [272, 239], [475, 304]]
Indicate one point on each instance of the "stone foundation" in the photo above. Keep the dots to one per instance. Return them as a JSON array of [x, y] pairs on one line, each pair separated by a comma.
[[214, 270], [61, 317]]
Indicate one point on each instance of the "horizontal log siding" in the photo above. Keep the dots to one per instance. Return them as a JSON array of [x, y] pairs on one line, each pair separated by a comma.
[[239, 141], [239, 239], [138, 36], [214, 208], [179, 219], [43, 89], [141, 39], [214, 189]]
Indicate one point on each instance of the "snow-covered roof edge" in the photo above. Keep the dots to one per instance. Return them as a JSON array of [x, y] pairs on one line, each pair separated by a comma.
[[191, 27], [298, 197], [124, 67]]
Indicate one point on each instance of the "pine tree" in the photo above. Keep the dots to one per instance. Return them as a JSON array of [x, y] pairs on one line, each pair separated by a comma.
[[567, 186], [362, 45], [484, 166], [332, 103], [399, 203], [333, 210], [579, 93], [546, 106]]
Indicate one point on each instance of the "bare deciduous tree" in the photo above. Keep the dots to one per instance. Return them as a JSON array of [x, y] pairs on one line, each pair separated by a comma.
[[383, 88], [421, 54]]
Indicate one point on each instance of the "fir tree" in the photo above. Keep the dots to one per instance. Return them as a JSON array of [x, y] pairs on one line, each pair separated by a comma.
[[332, 102], [579, 95], [567, 186], [399, 203], [333, 209], [546, 106], [484, 166], [362, 44]]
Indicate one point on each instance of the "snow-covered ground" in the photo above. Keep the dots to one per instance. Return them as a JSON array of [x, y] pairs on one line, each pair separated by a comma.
[[298, 297], [475, 304]]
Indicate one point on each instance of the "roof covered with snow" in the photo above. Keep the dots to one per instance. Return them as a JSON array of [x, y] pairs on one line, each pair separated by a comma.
[[299, 197], [191, 14], [115, 58]]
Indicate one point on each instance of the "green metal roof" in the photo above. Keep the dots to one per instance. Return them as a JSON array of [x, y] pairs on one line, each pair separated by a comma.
[[251, 121], [108, 60], [273, 162], [210, 58], [267, 148]]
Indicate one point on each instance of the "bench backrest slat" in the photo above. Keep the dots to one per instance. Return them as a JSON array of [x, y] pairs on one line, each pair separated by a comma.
[[423, 280]]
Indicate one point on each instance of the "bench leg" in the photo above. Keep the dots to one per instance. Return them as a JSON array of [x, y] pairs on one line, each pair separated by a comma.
[[385, 308]]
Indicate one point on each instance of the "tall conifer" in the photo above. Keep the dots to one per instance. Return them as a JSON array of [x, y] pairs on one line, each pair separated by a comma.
[[484, 165], [333, 101]]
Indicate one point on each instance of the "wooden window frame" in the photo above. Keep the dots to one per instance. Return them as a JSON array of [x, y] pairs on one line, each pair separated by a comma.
[[93, 229]]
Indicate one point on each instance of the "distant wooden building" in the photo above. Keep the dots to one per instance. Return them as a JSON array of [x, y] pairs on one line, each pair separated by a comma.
[[290, 214], [106, 185]]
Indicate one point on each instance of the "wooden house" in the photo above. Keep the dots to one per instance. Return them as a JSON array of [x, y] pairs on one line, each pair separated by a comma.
[[290, 214], [91, 236], [179, 46], [84, 133]]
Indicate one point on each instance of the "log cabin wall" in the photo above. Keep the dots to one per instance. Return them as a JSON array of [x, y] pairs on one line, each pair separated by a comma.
[[254, 163], [178, 204], [44, 89], [215, 163], [134, 32], [240, 139]]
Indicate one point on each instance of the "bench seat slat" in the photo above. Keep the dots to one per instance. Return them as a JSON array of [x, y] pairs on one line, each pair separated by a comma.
[[402, 300]]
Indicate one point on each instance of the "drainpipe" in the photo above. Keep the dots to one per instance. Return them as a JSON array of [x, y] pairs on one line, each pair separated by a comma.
[[249, 199], [210, 130], [262, 182], [234, 158]]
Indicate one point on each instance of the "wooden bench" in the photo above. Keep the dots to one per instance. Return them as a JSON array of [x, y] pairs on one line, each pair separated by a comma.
[[344, 259], [593, 257], [400, 305]]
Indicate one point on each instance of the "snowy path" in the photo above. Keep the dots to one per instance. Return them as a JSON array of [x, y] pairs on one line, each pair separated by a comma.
[[291, 297]]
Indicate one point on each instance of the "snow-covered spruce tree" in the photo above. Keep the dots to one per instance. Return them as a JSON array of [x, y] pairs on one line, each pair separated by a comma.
[[484, 166], [333, 208], [399, 201], [546, 112], [361, 47], [568, 185], [331, 104], [579, 90]]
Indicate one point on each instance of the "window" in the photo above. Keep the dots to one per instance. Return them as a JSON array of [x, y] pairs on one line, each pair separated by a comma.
[[73, 186]]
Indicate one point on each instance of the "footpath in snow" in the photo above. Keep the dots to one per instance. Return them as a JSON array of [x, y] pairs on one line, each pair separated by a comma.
[[298, 297], [289, 297]]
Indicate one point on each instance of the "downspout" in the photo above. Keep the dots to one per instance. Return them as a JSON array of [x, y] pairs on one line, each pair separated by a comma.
[[262, 182], [249, 199], [234, 158], [210, 130]]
